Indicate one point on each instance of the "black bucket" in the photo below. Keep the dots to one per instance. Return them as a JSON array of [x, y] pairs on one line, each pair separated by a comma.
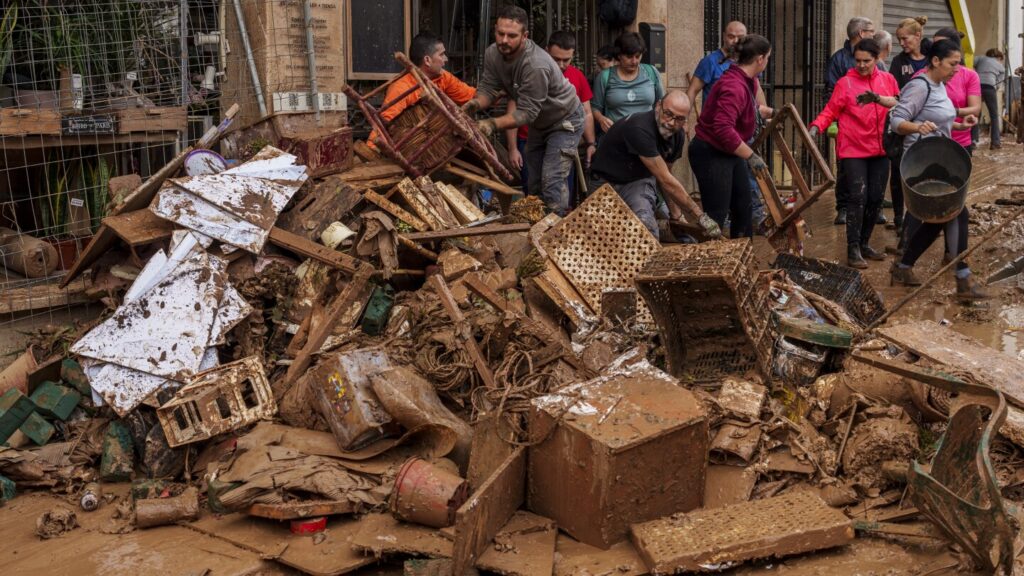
[[935, 172]]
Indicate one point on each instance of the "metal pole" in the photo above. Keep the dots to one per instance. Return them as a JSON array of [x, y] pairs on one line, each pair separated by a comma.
[[183, 45], [249, 58], [307, 12]]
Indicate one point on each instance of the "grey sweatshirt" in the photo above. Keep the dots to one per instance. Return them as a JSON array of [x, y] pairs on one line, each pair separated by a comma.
[[990, 71], [914, 108], [543, 96]]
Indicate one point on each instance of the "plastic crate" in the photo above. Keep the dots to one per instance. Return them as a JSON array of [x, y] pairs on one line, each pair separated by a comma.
[[844, 286]]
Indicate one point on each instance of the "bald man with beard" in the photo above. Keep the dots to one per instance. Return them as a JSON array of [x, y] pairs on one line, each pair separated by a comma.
[[636, 156]]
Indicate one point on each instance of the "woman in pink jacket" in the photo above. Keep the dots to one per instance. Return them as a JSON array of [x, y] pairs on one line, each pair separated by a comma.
[[860, 102]]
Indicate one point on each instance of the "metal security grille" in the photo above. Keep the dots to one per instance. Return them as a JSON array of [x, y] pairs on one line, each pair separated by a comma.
[[712, 24], [802, 38], [938, 13]]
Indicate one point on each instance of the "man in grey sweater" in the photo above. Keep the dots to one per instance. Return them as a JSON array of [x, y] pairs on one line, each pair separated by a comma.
[[544, 100]]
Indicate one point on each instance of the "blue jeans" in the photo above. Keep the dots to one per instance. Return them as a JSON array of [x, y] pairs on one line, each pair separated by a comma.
[[524, 172], [550, 157]]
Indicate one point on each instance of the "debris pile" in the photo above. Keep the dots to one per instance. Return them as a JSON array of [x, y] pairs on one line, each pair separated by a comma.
[[383, 364]]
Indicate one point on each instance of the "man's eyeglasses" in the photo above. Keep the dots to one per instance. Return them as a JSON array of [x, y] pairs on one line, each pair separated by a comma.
[[668, 116]]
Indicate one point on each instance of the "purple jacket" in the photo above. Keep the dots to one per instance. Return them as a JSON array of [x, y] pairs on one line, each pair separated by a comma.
[[728, 118]]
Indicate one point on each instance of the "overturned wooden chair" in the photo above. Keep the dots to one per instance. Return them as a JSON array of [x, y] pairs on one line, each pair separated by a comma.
[[426, 136]]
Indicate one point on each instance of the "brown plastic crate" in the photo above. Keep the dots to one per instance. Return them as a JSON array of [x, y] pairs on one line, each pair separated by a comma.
[[699, 296]]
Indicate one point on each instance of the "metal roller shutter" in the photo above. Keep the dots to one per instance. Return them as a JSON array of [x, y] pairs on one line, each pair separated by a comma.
[[937, 11]]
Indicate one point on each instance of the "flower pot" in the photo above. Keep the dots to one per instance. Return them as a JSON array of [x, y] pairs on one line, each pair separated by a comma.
[[68, 250], [426, 494]]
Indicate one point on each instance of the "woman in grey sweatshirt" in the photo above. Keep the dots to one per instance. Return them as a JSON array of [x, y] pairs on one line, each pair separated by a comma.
[[926, 111], [991, 70]]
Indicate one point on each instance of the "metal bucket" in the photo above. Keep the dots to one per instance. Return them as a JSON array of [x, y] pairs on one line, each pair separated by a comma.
[[935, 172]]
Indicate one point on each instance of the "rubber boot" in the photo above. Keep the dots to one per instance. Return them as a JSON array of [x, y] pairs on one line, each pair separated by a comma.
[[854, 259], [902, 276], [968, 289], [840, 217], [870, 253]]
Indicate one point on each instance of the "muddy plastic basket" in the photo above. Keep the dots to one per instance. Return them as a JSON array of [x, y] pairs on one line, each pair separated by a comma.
[[842, 285], [696, 294]]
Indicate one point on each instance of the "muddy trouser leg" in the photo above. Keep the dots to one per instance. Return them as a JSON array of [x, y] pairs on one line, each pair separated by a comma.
[[842, 191], [856, 172], [877, 174], [988, 94], [956, 236], [896, 192], [642, 198], [713, 171], [740, 211], [551, 156], [920, 238]]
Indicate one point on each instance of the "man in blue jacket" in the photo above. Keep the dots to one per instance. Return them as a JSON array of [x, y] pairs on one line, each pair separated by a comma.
[[839, 64]]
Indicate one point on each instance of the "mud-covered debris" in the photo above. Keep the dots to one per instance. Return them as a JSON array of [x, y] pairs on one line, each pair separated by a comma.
[[877, 441], [56, 522]]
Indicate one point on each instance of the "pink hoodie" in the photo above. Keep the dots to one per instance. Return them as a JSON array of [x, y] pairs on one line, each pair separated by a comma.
[[860, 127]]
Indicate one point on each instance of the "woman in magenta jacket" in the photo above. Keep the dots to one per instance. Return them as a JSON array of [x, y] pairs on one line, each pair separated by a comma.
[[860, 102], [719, 155]]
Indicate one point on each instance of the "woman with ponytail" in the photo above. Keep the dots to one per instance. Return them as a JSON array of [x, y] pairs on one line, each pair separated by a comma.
[[719, 154]]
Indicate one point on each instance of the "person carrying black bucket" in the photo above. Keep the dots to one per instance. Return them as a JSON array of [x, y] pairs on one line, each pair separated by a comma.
[[925, 110]]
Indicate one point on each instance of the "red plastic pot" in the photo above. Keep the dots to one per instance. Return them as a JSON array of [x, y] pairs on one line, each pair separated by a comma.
[[426, 494], [309, 526]]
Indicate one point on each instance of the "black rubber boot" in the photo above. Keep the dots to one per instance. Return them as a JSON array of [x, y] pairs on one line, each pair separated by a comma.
[[870, 253], [903, 276], [968, 289], [854, 259]]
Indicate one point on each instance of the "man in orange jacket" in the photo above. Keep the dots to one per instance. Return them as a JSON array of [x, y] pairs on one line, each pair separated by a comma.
[[428, 52]]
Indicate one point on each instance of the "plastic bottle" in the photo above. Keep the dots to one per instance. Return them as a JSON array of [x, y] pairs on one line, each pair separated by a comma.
[[91, 497]]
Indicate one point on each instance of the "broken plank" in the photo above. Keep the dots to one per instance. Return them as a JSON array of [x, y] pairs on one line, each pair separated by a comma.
[[473, 282], [793, 523], [40, 296], [483, 181], [488, 230], [462, 329], [524, 547], [420, 205], [576, 559], [461, 206], [480, 519], [439, 204], [372, 171], [140, 227], [946, 346], [382, 534], [273, 540], [363, 151], [305, 247], [301, 509], [395, 210], [344, 310]]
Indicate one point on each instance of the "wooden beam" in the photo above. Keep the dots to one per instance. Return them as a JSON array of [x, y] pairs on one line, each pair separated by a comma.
[[140, 227], [478, 521], [472, 231], [344, 309], [395, 210], [462, 329], [41, 296], [309, 249], [494, 185]]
